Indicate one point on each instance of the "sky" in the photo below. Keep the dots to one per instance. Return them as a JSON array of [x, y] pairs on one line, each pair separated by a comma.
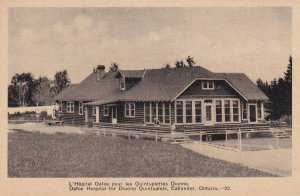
[[255, 41]]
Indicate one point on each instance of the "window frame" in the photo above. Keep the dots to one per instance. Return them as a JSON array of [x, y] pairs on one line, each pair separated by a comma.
[[105, 110], [131, 112], [70, 105], [122, 81], [80, 106], [60, 106], [206, 85], [244, 109]]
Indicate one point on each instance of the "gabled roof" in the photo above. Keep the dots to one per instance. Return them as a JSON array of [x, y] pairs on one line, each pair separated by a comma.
[[244, 85], [131, 73], [155, 85]]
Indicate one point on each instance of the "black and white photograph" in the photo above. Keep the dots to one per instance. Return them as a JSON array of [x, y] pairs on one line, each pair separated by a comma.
[[149, 93]]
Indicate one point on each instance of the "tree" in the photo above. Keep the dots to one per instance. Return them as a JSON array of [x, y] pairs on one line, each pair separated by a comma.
[[167, 66], [61, 81], [180, 64], [279, 92], [190, 61], [44, 91], [114, 67], [288, 73], [21, 89]]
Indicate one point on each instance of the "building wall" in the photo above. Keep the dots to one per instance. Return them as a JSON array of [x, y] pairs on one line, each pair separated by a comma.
[[221, 88], [71, 118]]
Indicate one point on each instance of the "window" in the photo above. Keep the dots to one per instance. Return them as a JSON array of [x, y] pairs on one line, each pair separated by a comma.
[[160, 112], [227, 111], [94, 111], [70, 107], [235, 110], [188, 112], [244, 109], [147, 112], [259, 110], [60, 106], [80, 108], [129, 109], [219, 111], [208, 85], [167, 110], [105, 110], [122, 83], [179, 111], [198, 112]]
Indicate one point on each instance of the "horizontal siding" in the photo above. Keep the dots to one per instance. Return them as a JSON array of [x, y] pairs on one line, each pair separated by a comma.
[[71, 118], [139, 114]]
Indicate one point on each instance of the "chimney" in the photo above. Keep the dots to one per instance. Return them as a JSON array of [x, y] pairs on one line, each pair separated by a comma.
[[100, 70]]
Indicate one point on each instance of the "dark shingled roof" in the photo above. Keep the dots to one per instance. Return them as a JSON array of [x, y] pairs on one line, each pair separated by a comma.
[[244, 85], [131, 73], [155, 85]]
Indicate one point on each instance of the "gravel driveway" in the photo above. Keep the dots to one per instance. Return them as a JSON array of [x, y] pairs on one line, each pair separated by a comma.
[[276, 161]]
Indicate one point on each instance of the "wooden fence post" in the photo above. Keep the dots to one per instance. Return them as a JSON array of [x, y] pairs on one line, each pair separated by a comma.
[[129, 135], [240, 140], [201, 140], [226, 138], [156, 136], [277, 140]]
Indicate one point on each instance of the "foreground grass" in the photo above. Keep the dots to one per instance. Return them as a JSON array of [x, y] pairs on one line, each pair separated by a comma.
[[74, 155]]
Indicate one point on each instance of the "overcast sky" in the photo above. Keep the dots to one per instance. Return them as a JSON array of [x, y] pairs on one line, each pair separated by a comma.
[[256, 41]]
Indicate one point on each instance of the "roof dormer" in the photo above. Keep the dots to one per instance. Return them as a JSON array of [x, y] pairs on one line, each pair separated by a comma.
[[128, 78]]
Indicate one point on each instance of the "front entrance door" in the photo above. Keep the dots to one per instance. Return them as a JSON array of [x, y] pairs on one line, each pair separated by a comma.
[[114, 114], [252, 113], [208, 114]]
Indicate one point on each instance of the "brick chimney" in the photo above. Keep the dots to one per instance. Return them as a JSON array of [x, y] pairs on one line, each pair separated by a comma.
[[100, 70]]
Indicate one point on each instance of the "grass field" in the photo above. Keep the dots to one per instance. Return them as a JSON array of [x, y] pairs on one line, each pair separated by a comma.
[[78, 155]]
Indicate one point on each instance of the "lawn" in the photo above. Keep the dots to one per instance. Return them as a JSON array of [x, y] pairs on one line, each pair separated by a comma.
[[89, 155]]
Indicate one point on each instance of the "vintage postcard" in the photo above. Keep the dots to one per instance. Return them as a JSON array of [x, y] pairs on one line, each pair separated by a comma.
[[144, 98]]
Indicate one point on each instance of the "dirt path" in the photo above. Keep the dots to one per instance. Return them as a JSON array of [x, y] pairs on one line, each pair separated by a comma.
[[277, 161], [42, 128]]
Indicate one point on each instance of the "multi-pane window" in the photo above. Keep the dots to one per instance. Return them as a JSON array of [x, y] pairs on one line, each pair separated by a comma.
[[60, 106], [227, 110], [219, 111], [147, 111], [235, 110], [129, 109], [188, 112], [208, 85], [167, 113], [244, 109], [80, 108], [259, 110], [198, 112], [160, 111], [105, 110], [179, 111], [70, 107]]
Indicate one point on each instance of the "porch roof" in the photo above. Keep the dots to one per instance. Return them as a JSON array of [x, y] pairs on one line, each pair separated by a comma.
[[103, 102]]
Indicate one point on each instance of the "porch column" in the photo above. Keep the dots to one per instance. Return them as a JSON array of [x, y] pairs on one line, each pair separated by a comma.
[[97, 114], [86, 119]]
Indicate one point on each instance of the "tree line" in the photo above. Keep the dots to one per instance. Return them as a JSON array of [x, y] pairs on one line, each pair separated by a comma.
[[25, 90], [279, 92]]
